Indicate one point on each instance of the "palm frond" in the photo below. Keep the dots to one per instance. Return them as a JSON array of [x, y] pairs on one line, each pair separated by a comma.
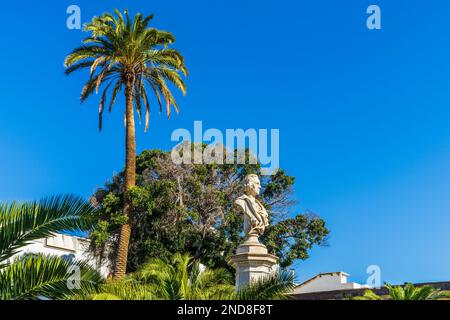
[[40, 276], [22, 223], [119, 46], [273, 287], [118, 290], [411, 292]]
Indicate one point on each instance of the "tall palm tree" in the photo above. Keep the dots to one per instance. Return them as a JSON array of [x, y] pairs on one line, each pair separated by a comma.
[[40, 276], [407, 292], [121, 53]]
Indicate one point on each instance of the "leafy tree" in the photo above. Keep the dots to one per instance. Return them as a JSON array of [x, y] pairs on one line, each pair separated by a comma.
[[408, 292], [125, 53], [189, 208], [293, 238], [40, 276]]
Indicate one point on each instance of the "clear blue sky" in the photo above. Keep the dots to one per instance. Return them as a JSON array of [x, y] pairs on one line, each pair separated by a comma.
[[363, 115]]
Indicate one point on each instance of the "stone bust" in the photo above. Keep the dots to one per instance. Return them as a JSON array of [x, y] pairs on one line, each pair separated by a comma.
[[256, 218]]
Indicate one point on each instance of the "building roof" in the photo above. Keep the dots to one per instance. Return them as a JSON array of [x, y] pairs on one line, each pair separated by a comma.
[[321, 275]]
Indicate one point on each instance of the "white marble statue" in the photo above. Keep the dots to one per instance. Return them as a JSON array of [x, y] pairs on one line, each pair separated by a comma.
[[256, 218]]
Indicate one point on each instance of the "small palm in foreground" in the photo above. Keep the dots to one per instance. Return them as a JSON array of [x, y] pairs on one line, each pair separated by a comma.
[[273, 287], [182, 279], [40, 276], [408, 292]]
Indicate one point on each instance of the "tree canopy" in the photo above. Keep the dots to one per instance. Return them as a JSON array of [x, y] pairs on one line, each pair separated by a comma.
[[189, 208]]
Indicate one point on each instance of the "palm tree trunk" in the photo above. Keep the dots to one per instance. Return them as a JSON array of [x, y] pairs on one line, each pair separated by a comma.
[[130, 181]]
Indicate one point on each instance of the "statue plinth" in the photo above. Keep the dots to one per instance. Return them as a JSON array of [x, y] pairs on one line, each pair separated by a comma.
[[252, 262]]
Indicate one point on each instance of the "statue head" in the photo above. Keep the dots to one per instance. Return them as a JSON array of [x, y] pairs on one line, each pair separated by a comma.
[[252, 185]]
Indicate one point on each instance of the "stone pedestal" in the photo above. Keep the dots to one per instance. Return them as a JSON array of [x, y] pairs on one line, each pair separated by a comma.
[[252, 262]]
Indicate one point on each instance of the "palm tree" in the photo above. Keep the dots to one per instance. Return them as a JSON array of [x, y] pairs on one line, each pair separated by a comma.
[[123, 289], [40, 276], [408, 292], [122, 53], [273, 287], [181, 279]]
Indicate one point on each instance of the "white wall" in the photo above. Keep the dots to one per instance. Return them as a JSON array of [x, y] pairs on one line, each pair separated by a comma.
[[327, 282], [66, 246]]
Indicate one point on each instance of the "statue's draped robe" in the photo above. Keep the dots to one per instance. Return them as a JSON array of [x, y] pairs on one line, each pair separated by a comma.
[[256, 216]]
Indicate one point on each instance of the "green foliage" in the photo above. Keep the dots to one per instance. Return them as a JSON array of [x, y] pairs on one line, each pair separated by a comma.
[[272, 287], [292, 238], [100, 234], [408, 292], [37, 276], [189, 208], [181, 279], [368, 295], [21, 223], [278, 184], [117, 290]]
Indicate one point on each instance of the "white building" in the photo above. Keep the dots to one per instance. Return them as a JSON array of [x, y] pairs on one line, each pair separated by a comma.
[[328, 281], [69, 247]]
